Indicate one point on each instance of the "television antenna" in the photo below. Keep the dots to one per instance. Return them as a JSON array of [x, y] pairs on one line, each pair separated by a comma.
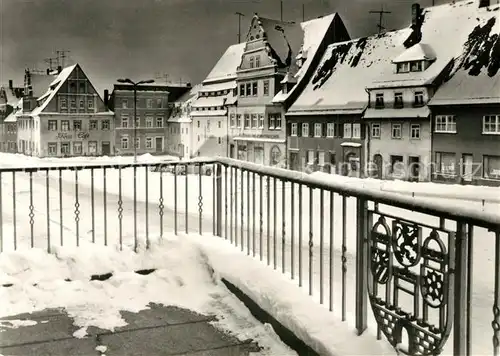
[[381, 13]]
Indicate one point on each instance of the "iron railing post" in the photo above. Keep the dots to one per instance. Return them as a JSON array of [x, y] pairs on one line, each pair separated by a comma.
[[460, 309], [218, 197], [361, 265]]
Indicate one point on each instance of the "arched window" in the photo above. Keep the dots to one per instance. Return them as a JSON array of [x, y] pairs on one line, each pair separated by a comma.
[[275, 156]]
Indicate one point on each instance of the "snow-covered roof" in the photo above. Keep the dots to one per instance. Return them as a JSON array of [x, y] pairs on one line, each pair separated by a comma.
[[11, 118], [209, 113], [418, 52], [314, 32], [180, 119], [209, 101], [348, 68], [214, 87], [40, 83], [227, 64], [54, 87]]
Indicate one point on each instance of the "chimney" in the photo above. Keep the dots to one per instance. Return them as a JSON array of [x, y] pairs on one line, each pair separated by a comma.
[[11, 84], [106, 97], [415, 14], [59, 69], [484, 3]]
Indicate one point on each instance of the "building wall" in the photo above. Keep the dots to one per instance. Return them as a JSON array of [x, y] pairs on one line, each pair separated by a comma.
[[179, 139], [406, 147], [342, 154], [209, 135], [158, 110], [8, 137], [408, 96], [468, 139]]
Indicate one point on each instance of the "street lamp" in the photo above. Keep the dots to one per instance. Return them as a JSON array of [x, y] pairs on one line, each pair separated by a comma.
[[135, 85]]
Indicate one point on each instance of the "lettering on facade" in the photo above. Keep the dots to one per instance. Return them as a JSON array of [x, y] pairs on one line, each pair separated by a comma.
[[83, 135], [261, 136], [64, 136]]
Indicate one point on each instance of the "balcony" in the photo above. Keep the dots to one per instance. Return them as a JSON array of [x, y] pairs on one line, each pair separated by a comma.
[[382, 261]]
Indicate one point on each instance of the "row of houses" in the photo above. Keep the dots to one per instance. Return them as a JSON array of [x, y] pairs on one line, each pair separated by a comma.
[[59, 114], [419, 103]]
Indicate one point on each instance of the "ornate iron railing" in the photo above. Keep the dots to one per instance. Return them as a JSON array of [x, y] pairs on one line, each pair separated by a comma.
[[422, 266]]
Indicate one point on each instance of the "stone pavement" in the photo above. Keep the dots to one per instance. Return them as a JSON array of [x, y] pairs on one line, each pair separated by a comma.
[[156, 331]]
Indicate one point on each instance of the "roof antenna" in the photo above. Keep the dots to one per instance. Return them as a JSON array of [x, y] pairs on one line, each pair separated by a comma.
[[240, 15], [61, 55], [381, 13], [303, 12], [281, 10]]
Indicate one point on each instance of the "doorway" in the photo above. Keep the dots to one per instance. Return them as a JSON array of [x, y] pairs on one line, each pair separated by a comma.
[[159, 144], [231, 151], [378, 161], [105, 148], [467, 169], [294, 161], [414, 163]]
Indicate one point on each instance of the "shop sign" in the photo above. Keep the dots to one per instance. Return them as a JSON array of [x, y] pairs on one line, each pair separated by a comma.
[[269, 136], [83, 135], [64, 136]]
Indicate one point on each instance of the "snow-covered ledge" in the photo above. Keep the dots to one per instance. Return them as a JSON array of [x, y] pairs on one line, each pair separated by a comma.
[[276, 294]]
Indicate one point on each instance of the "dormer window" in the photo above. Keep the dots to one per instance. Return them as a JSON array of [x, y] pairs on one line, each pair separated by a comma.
[[379, 100], [419, 98], [251, 62], [416, 66], [403, 67]]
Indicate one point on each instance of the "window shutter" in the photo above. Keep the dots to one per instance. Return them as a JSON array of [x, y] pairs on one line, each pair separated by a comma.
[[323, 129], [299, 129], [311, 129]]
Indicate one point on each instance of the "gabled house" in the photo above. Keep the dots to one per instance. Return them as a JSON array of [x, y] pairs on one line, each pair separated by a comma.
[[275, 64], [210, 108], [68, 119], [466, 108], [179, 126], [10, 105]]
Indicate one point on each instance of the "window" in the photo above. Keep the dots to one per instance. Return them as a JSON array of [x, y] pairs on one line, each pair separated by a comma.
[[379, 100], [93, 125], [52, 148], [415, 131], [347, 131], [251, 62], [261, 121], [321, 158], [419, 98], [208, 125], [159, 122], [158, 103], [266, 87], [77, 125], [219, 140], [416, 66], [77, 148], [403, 67], [242, 89], [52, 125], [124, 122], [255, 88], [82, 104], [330, 129], [398, 100], [396, 131], [90, 103], [92, 147], [233, 120], [278, 121], [249, 89], [376, 130], [105, 124], [491, 124], [73, 103], [64, 104], [64, 125], [293, 130], [198, 138], [397, 165], [446, 123], [198, 123], [219, 124], [356, 131], [257, 61], [238, 121], [149, 143], [149, 122], [124, 104], [305, 130], [310, 157], [137, 122], [247, 121], [445, 163], [65, 149], [149, 103], [318, 128], [137, 142], [255, 121], [82, 87], [491, 167]]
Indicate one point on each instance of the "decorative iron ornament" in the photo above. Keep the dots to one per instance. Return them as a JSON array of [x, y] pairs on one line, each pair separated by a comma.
[[31, 212], [402, 261]]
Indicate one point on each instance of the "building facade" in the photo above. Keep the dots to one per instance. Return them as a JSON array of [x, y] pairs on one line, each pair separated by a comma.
[[10, 104], [148, 132], [69, 119]]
